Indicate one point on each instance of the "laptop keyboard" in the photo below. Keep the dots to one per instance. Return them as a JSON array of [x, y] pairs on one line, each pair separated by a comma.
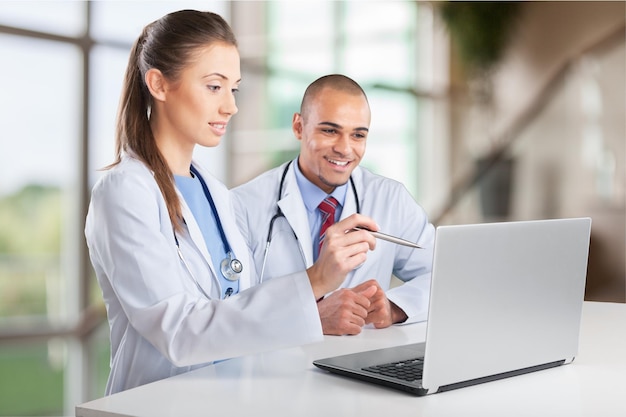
[[407, 370]]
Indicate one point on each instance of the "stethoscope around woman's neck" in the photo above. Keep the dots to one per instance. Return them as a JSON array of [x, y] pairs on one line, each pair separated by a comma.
[[230, 267], [279, 213]]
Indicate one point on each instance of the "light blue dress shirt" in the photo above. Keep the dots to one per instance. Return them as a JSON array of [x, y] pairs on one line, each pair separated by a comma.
[[313, 196]]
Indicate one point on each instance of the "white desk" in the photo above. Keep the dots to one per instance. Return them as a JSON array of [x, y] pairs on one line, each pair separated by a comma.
[[285, 383]]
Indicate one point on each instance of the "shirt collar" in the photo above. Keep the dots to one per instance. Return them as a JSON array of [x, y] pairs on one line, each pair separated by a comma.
[[312, 194]]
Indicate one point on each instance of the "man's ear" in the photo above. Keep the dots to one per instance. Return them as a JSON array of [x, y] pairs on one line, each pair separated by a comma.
[[296, 125], [156, 83]]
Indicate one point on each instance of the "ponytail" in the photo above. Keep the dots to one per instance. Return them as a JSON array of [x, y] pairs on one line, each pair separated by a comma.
[[168, 45]]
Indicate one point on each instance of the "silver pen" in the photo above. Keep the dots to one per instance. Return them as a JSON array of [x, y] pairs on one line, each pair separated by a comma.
[[390, 238]]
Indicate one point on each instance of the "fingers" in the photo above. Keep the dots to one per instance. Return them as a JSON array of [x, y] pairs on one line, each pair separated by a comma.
[[343, 312], [349, 249], [369, 292], [346, 229], [346, 311], [366, 285], [357, 220], [341, 253], [379, 311]]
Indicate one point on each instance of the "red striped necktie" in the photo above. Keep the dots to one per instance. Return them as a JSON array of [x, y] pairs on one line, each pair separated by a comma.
[[327, 207]]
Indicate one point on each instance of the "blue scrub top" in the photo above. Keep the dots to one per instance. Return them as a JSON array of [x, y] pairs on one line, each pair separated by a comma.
[[194, 196]]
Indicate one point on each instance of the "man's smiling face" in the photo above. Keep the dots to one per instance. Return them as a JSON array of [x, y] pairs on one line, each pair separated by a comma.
[[333, 132]]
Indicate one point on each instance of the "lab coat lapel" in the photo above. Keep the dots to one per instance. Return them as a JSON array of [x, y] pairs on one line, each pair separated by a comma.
[[194, 230], [196, 236], [349, 204], [294, 210]]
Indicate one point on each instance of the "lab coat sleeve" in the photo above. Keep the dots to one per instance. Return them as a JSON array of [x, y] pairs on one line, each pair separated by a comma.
[[132, 245], [413, 266]]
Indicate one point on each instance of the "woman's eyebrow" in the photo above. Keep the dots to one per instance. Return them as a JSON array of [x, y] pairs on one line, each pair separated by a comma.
[[222, 76]]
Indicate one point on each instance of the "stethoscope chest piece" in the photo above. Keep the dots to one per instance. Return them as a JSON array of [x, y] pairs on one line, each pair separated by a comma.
[[231, 267]]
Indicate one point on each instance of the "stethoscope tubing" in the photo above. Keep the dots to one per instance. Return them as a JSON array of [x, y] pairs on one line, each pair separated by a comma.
[[232, 274], [279, 213]]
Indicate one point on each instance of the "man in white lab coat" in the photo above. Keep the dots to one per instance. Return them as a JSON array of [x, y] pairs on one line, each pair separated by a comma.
[[278, 214]]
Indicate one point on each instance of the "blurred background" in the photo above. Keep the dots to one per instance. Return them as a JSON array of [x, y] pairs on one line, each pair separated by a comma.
[[486, 111]]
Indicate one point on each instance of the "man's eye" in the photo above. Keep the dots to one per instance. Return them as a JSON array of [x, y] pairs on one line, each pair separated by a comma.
[[329, 131]]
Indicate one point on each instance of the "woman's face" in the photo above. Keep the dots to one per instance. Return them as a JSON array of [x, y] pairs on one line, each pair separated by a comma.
[[198, 106]]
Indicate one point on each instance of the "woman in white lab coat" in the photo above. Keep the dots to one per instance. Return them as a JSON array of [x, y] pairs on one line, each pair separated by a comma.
[[176, 275]]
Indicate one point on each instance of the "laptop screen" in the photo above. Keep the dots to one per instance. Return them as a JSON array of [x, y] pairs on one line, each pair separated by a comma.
[[504, 296]]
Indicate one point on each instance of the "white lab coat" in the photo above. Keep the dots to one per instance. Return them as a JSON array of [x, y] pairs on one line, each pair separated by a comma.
[[161, 323], [386, 201]]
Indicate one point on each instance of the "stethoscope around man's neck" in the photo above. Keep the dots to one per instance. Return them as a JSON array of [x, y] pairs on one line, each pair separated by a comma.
[[230, 267], [279, 213]]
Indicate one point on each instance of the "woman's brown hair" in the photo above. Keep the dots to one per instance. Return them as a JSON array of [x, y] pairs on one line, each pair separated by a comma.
[[169, 45]]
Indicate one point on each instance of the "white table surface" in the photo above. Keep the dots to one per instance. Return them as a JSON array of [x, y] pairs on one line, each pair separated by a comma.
[[285, 383]]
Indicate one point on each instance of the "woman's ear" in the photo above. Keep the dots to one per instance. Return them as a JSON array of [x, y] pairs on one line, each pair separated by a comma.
[[156, 83]]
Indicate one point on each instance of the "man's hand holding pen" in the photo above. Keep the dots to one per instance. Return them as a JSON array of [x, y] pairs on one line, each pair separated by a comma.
[[341, 253]]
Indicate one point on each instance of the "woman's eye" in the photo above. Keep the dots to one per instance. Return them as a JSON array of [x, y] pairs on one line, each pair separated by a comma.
[[214, 88], [235, 90]]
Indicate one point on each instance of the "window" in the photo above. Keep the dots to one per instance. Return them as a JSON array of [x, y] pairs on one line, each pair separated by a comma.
[[46, 286], [308, 39], [40, 126]]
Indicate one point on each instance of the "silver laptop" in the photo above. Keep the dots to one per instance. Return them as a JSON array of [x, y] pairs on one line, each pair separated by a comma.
[[506, 299]]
